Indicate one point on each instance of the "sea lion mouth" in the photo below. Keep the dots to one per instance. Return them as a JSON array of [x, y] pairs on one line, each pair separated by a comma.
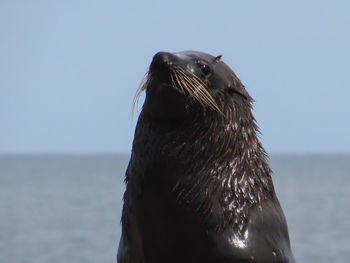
[[171, 71]]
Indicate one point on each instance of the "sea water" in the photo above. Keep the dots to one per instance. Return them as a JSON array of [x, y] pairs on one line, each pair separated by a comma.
[[67, 208]]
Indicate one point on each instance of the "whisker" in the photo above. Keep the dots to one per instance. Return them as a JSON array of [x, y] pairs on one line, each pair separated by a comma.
[[186, 83], [198, 89], [143, 85], [179, 82]]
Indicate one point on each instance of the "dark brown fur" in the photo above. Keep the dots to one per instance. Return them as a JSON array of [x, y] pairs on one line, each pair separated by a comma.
[[199, 186]]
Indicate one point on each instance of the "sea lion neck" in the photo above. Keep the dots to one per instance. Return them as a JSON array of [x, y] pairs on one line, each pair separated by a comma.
[[231, 164]]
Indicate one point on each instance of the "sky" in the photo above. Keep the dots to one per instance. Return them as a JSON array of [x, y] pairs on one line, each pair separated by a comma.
[[70, 69]]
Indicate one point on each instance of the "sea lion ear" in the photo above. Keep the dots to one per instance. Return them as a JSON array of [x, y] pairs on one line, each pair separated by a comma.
[[239, 89], [217, 58]]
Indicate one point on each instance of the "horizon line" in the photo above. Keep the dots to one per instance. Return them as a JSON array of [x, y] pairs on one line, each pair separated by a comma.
[[58, 153]]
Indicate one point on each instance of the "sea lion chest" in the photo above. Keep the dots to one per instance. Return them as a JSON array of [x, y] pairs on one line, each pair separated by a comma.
[[169, 231]]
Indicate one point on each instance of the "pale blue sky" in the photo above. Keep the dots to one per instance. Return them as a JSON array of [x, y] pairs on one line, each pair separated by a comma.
[[70, 69]]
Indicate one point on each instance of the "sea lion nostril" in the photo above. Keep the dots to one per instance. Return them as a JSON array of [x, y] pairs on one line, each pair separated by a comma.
[[161, 59]]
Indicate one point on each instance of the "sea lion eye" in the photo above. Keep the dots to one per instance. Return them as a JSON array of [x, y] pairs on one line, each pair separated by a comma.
[[205, 69]]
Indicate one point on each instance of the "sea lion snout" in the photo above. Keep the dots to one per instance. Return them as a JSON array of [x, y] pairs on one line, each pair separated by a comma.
[[162, 60]]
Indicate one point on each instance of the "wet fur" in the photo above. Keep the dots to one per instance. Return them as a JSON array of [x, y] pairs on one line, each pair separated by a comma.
[[198, 187]]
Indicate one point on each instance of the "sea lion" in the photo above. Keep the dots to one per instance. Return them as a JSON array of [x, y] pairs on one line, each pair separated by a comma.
[[198, 184]]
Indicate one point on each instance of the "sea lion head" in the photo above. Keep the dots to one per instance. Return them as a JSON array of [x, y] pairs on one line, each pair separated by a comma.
[[181, 83]]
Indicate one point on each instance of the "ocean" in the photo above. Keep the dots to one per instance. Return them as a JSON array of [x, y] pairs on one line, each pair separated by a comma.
[[61, 208]]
